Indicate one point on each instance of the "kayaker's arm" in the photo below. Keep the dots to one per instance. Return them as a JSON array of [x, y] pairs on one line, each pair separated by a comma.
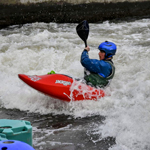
[[94, 65], [89, 64]]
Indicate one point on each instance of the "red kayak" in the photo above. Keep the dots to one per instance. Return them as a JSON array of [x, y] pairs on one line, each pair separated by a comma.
[[62, 87]]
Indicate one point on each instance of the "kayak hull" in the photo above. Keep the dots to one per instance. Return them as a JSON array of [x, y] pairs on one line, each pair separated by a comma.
[[62, 87]]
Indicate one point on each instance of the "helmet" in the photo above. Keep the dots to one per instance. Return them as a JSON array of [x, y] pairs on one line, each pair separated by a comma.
[[109, 48]]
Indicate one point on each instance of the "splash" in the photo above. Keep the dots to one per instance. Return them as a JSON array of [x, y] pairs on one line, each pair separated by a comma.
[[39, 47]]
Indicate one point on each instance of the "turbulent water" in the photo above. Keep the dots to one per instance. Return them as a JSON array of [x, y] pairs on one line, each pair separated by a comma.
[[117, 122]]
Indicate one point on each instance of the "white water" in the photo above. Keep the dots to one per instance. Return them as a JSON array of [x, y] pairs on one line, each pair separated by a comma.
[[39, 48]]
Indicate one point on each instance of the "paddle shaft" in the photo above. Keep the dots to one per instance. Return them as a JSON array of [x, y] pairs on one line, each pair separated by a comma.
[[85, 43]]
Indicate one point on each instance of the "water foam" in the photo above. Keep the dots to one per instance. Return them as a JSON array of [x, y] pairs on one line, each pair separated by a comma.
[[38, 48]]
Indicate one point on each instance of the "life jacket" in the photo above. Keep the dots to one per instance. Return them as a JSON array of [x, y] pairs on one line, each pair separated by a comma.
[[97, 80]]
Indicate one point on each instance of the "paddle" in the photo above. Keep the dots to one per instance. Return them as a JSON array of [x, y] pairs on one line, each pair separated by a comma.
[[83, 31]]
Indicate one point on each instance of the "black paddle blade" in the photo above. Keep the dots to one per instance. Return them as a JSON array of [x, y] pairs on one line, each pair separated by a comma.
[[83, 31]]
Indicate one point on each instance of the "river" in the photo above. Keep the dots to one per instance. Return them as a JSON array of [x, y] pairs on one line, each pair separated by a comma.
[[117, 122]]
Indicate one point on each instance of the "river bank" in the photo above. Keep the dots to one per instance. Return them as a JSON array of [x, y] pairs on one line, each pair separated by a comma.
[[17, 13]]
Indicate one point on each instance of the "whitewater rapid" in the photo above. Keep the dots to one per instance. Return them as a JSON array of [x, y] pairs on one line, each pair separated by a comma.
[[39, 48]]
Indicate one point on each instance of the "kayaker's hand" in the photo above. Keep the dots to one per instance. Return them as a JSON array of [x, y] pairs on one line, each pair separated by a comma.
[[87, 48]]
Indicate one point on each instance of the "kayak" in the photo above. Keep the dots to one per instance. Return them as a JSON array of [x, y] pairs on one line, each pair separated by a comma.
[[62, 87]]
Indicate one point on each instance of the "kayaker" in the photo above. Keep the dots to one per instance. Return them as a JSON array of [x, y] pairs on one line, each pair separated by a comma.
[[98, 73]]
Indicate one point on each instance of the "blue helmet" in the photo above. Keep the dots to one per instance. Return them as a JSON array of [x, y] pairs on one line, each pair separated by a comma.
[[109, 48]]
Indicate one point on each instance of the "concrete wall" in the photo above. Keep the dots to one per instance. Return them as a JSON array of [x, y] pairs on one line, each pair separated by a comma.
[[13, 12], [67, 1]]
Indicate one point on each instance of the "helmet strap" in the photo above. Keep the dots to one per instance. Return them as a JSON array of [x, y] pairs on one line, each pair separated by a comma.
[[107, 56]]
